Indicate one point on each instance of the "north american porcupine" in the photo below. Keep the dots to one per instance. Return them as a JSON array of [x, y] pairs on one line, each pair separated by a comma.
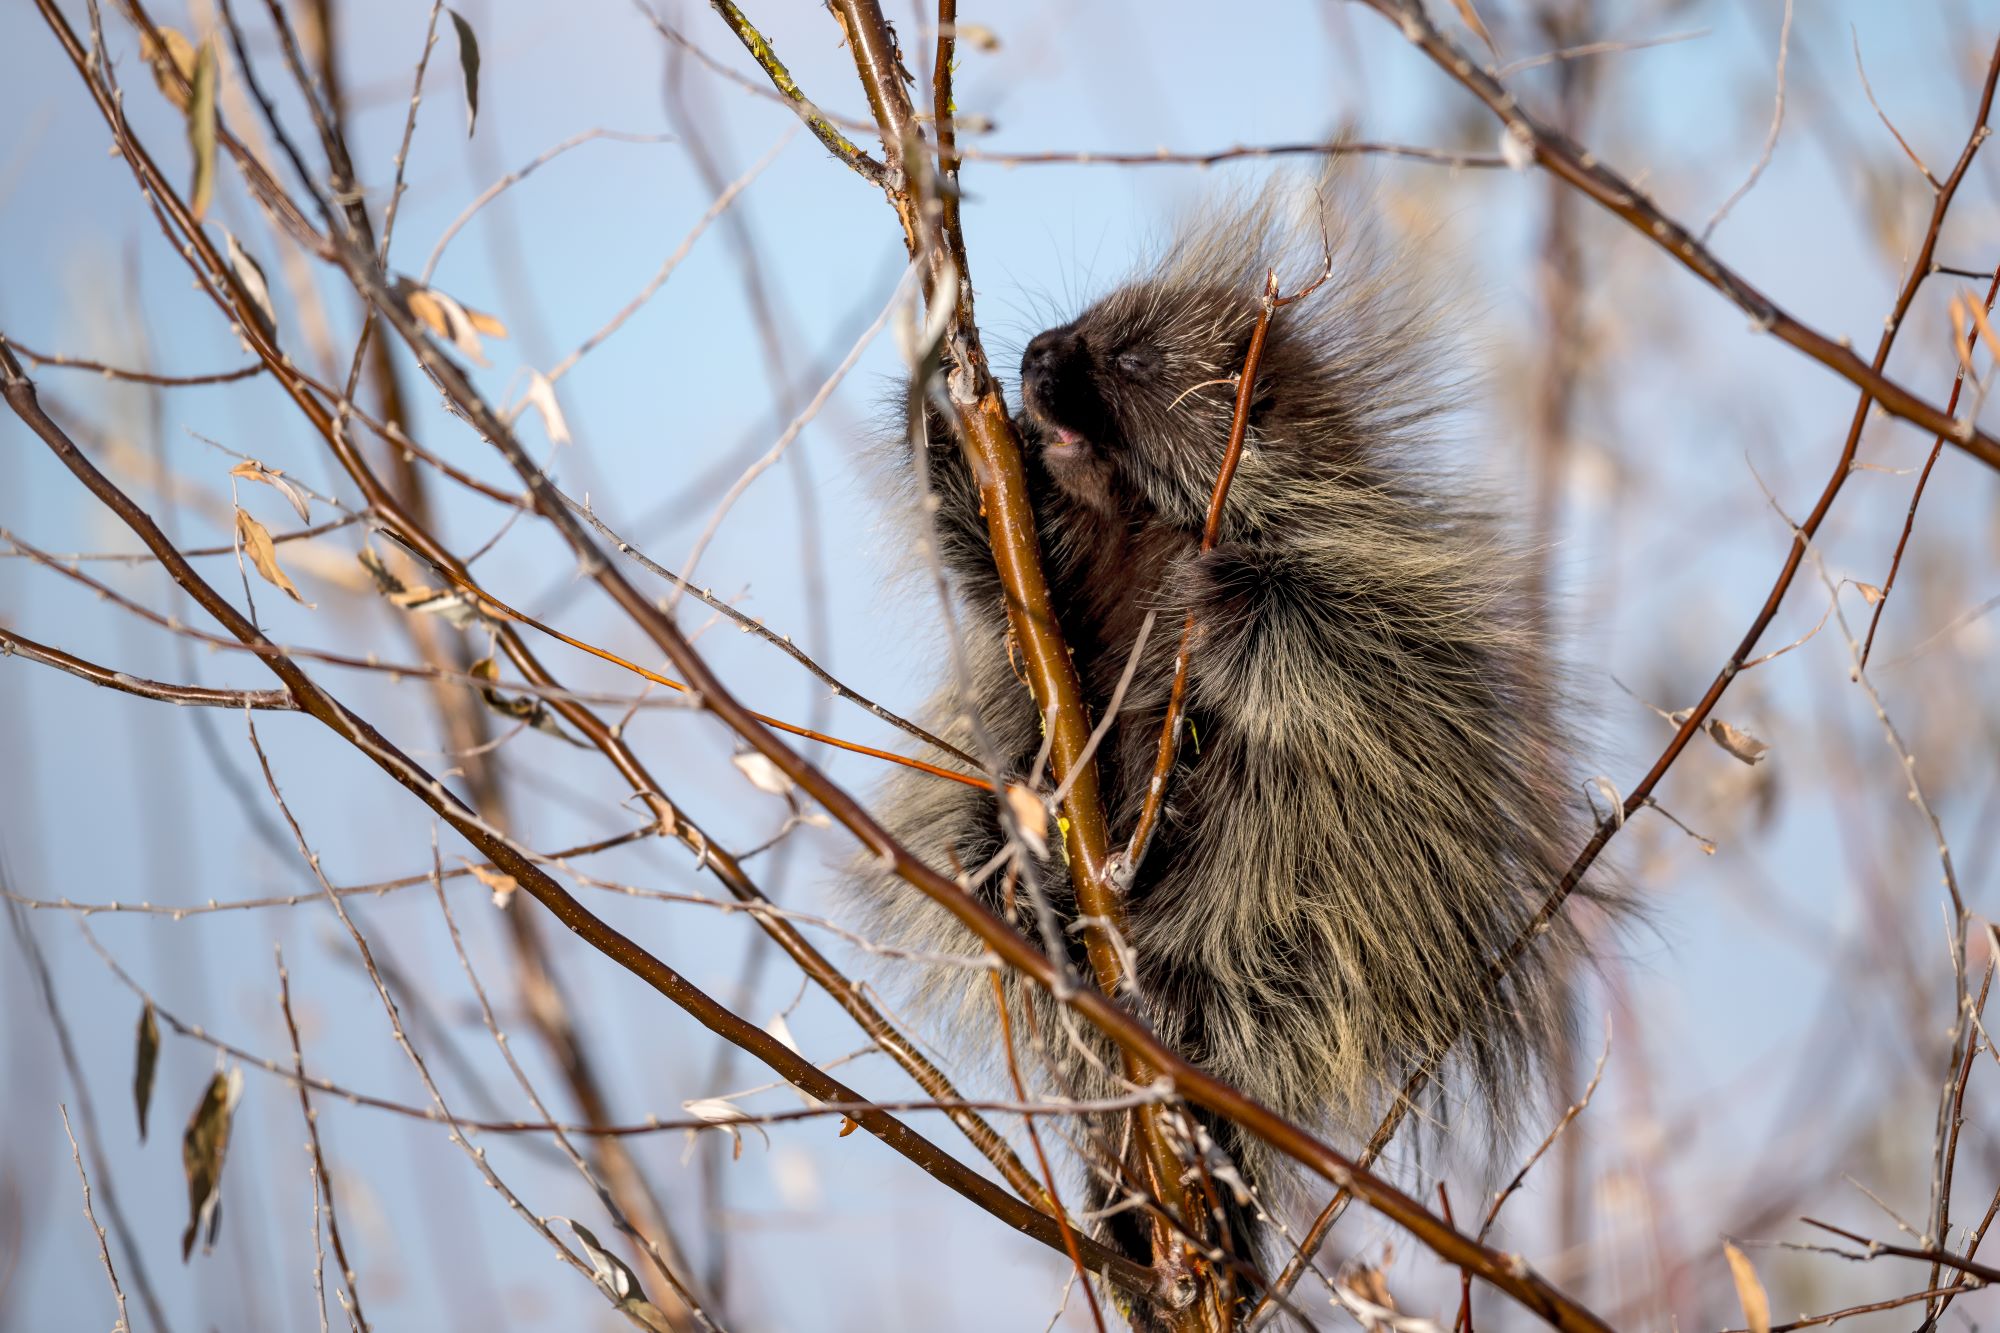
[[1376, 792]]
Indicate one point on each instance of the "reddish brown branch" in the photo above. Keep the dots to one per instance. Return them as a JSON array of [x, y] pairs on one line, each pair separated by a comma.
[[12, 644]]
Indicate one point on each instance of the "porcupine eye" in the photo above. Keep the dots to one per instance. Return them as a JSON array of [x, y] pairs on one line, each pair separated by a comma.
[[1137, 362]]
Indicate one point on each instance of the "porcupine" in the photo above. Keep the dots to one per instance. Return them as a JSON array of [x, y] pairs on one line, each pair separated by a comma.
[[1374, 797]]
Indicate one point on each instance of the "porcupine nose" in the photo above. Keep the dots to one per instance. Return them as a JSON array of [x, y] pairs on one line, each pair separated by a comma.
[[1049, 355]]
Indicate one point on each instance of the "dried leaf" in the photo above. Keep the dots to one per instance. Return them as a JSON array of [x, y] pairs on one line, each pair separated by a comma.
[[173, 47], [202, 1151], [482, 322], [468, 65], [1614, 803], [255, 471], [542, 396], [519, 707], [250, 276], [1031, 817], [847, 1126], [201, 130], [1371, 1286], [144, 1063], [1869, 593], [503, 885], [1470, 17], [1986, 335], [715, 1110], [1749, 1291], [613, 1274], [451, 321], [1738, 742], [263, 554], [763, 774], [978, 35]]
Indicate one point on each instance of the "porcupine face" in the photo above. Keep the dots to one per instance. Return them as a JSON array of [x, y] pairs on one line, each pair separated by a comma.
[[1134, 397]]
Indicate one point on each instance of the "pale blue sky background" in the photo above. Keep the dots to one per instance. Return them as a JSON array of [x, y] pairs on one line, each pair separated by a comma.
[[1666, 549]]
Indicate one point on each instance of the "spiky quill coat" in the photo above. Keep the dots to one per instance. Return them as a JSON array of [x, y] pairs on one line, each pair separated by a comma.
[[1374, 797]]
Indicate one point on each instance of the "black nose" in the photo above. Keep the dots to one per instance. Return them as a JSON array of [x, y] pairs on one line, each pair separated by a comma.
[[1050, 352]]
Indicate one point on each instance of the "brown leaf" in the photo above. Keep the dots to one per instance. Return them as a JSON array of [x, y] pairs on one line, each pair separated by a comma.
[[1471, 18], [172, 47], [1869, 593], [1031, 817], [503, 885], [202, 1151], [263, 554], [251, 470], [144, 1063], [451, 321], [1749, 1291], [1735, 740], [201, 130], [482, 322], [1371, 1286]]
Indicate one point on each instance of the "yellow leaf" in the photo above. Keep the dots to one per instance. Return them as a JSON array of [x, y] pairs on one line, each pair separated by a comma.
[[263, 554], [1749, 1291], [172, 47], [484, 323], [428, 312]]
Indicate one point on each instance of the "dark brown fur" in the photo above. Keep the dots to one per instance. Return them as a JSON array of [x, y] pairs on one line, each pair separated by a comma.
[[1374, 794]]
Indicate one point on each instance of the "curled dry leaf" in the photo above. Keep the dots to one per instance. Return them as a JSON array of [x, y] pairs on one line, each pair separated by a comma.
[[503, 885], [251, 470], [615, 1276], [1749, 1291], [202, 1150], [451, 321], [1615, 804], [763, 774], [519, 707], [456, 607], [144, 1062], [264, 555], [727, 1114], [1031, 817], [1869, 593], [1735, 740]]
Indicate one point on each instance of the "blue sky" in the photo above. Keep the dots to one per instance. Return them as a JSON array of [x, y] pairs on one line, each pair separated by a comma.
[[1666, 548]]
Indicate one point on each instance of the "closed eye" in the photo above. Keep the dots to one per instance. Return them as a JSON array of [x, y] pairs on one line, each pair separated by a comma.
[[1137, 362]]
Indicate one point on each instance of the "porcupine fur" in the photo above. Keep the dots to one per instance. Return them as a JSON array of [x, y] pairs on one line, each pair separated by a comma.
[[1375, 790]]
